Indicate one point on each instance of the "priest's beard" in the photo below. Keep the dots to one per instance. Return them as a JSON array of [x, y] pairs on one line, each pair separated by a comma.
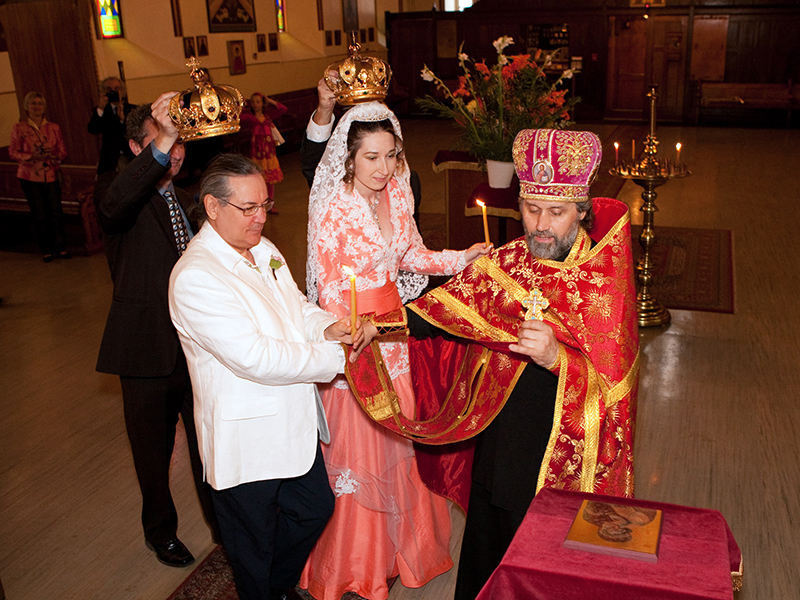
[[551, 250]]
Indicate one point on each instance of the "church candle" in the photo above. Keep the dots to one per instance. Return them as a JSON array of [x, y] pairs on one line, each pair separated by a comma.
[[485, 223], [353, 308], [678, 150], [616, 153]]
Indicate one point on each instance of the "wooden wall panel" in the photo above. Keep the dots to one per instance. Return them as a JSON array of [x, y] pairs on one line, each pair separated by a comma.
[[709, 43], [666, 65], [412, 44], [50, 51], [627, 48], [763, 49], [762, 46]]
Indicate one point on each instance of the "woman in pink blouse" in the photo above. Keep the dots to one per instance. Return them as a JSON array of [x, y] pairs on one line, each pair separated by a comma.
[[262, 145], [386, 522], [37, 145]]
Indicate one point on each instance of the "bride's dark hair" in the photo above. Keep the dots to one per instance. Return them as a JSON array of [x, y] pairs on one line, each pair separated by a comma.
[[355, 136]]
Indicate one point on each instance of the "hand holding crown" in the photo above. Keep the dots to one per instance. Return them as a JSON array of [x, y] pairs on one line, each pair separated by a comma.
[[358, 78]]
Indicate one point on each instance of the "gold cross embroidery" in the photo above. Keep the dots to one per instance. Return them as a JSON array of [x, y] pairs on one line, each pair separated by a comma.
[[536, 303]]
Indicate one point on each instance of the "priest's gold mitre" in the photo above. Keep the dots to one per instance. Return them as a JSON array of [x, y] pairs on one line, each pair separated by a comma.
[[208, 110], [360, 78]]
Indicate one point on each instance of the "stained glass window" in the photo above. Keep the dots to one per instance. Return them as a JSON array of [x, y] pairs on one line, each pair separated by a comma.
[[110, 23], [280, 13]]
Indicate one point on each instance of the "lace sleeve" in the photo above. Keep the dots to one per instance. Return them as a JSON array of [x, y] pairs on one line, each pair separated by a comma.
[[420, 259], [332, 281]]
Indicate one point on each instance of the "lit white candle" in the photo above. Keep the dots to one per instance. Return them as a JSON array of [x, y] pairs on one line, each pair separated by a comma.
[[485, 222], [353, 308], [616, 153], [678, 149]]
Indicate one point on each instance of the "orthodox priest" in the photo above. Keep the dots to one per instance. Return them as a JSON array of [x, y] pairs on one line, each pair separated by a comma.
[[543, 328]]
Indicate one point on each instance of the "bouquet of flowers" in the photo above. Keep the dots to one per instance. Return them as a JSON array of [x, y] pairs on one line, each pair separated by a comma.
[[494, 103]]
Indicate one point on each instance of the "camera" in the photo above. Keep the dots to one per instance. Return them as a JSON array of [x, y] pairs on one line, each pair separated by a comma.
[[113, 96]]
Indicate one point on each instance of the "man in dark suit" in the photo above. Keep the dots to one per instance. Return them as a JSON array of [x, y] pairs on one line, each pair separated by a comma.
[[108, 121], [144, 219]]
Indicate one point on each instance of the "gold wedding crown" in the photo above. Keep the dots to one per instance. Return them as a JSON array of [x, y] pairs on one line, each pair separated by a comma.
[[208, 110], [361, 78]]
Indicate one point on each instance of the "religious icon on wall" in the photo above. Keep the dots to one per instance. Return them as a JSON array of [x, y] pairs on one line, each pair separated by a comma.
[[188, 47], [202, 45], [273, 42], [231, 15], [261, 42], [236, 63]]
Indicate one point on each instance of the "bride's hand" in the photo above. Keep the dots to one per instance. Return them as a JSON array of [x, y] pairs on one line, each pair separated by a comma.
[[475, 251]]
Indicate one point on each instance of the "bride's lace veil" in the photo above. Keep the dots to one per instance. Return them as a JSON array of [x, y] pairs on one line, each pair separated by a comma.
[[327, 179]]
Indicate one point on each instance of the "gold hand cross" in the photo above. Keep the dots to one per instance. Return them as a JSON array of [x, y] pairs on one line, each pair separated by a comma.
[[536, 303]]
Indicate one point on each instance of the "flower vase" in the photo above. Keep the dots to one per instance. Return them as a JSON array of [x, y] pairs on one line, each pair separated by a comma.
[[500, 173]]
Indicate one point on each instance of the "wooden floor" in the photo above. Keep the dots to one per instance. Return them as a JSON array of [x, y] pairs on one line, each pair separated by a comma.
[[719, 405]]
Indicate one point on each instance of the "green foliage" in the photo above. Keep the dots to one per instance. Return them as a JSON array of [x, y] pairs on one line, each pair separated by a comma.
[[492, 104]]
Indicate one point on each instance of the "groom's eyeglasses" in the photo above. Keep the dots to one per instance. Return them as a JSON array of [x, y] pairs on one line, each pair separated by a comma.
[[253, 210]]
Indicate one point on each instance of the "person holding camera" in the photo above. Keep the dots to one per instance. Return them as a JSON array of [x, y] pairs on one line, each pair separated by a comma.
[[108, 121]]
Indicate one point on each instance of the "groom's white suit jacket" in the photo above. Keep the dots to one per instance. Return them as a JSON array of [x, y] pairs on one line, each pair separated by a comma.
[[255, 346]]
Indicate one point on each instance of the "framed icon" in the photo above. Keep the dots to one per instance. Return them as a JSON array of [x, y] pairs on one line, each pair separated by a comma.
[[261, 43], [230, 15], [202, 45], [273, 42], [236, 62], [188, 47]]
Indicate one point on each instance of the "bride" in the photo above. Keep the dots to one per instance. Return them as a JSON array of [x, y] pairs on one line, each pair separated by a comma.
[[386, 522]]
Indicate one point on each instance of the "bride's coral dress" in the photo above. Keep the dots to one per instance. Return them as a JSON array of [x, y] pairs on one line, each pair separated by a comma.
[[386, 522]]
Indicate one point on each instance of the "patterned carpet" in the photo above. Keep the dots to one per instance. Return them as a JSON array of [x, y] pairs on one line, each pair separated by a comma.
[[212, 579], [693, 268]]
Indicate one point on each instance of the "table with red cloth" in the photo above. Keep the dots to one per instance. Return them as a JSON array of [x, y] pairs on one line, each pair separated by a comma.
[[698, 557]]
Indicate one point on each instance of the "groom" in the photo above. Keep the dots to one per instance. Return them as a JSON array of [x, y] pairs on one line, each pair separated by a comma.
[[255, 347]]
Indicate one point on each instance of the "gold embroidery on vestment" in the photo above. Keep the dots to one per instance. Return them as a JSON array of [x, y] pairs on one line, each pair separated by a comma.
[[591, 434], [558, 411]]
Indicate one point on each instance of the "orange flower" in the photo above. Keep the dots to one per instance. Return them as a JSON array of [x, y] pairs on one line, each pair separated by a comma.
[[482, 68], [462, 88]]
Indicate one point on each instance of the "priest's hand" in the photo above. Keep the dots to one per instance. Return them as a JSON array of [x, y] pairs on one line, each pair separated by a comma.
[[537, 340]]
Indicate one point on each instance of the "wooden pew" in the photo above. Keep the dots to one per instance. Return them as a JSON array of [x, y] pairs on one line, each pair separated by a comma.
[[717, 94], [77, 189]]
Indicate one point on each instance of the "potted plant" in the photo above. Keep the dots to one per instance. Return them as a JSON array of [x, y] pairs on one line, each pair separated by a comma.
[[494, 103]]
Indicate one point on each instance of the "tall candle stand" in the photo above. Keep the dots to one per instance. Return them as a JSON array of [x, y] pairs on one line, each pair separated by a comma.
[[649, 173]]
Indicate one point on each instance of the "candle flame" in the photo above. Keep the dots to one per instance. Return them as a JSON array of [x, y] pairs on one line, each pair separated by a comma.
[[480, 202], [616, 145], [348, 270], [678, 146]]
